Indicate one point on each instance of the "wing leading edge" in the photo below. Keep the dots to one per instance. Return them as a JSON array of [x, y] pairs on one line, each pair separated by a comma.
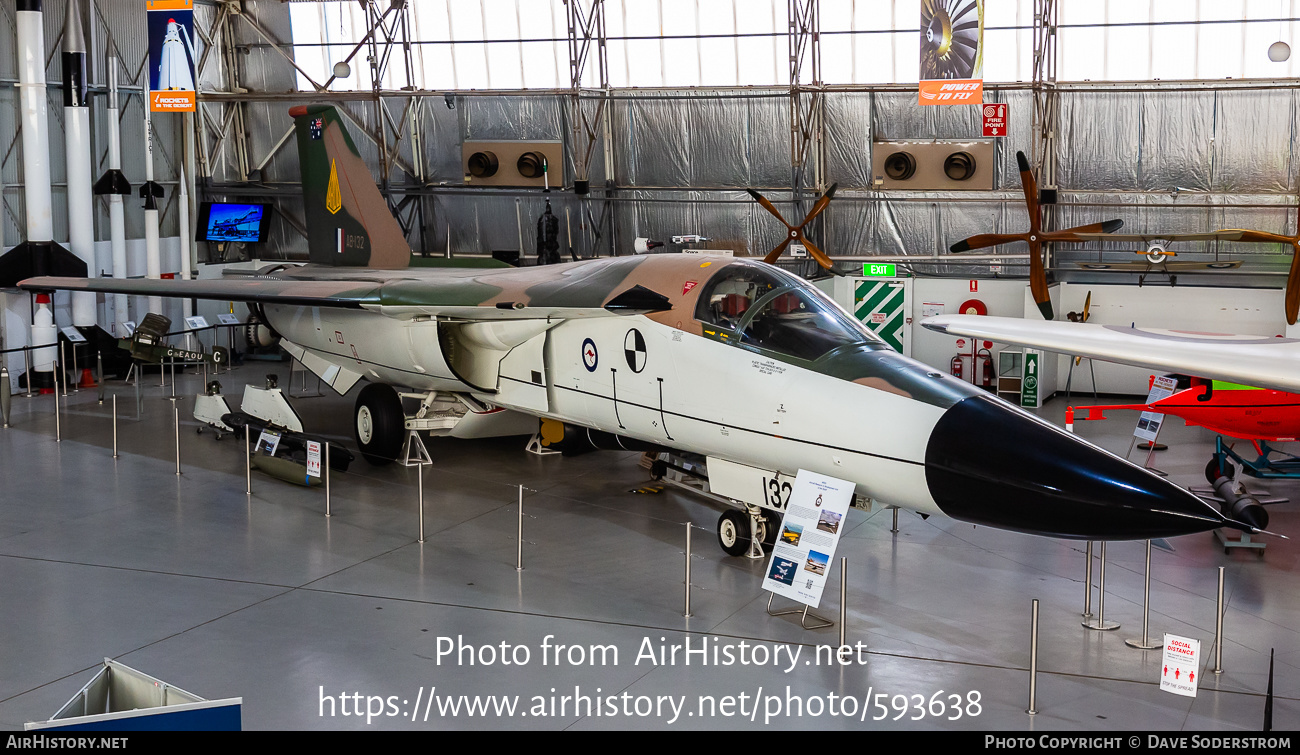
[[1249, 360], [395, 299]]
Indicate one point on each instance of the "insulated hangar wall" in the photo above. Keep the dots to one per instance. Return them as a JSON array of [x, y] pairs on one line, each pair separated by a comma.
[[1192, 154]]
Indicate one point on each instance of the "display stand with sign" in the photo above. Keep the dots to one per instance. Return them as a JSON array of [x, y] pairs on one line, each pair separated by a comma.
[[805, 545]]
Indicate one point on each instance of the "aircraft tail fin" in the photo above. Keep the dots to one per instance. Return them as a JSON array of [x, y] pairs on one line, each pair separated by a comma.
[[349, 223]]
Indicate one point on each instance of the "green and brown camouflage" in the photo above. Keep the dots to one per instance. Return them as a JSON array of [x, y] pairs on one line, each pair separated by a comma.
[[349, 224]]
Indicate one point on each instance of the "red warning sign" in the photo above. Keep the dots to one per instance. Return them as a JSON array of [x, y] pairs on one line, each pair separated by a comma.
[[995, 119]]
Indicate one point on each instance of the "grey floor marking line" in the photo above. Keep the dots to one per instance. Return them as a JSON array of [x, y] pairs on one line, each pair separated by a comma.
[[149, 644], [146, 571]]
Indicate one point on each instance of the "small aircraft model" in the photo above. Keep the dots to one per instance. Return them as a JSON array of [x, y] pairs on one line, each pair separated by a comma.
[[732, 359], [1035, 237], [1158, 256]]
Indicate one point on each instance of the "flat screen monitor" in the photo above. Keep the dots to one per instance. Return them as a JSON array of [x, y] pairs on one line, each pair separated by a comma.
[[233, 221]]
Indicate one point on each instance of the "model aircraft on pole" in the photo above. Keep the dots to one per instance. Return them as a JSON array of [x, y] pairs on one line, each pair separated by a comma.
[[731, 359]]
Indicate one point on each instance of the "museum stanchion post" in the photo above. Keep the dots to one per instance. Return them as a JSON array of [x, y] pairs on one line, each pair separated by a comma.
[[1145, 643], [1101, 624]]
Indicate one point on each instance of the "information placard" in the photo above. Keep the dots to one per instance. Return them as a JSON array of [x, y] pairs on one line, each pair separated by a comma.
[[809, 534], [72, 334], [1148, 425], [196, 322], [227, 319], [1180, 665], [129, 327], [268, 441], [313, 458]]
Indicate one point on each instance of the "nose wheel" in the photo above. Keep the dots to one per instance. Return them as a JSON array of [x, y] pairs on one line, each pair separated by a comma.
[[742, 534]]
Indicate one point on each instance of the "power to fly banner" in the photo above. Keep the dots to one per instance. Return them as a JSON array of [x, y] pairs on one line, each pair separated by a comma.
[[952, 52], [171, 56]]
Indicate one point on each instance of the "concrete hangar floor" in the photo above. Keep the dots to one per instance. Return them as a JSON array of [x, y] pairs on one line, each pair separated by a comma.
[[191, 581]]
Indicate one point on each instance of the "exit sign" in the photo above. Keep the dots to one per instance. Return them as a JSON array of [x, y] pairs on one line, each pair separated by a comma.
[[886, 270]]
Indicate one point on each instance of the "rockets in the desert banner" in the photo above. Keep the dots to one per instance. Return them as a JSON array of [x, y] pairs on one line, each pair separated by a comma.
[[171, 56]]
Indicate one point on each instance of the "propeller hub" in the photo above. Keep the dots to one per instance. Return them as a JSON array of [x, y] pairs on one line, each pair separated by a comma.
[[794, 235], [1032, 237]]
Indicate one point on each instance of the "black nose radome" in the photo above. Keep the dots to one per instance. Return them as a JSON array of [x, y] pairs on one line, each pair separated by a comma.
[[989, 463]]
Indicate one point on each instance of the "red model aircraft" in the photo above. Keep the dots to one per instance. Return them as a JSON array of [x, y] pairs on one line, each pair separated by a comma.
[[1225, 408]]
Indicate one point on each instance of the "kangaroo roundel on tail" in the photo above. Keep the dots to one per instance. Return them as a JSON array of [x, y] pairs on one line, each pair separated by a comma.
[[348, 222]]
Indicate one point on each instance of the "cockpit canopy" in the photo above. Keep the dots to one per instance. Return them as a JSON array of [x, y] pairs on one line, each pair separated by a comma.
[[764, 308]]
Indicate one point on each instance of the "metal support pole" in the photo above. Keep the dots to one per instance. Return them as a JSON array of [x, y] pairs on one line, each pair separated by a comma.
[[1218, 628], [173, 367], [58, 431], [1033, 662], [176, 420], [248, 462], [99, 374], [844, 592], [419, 481], [1087, 586], [1145, 643], [115, 426], [63, 357], [894, 529], [27, 362], [519, 543], [687, 613], [1101, 624], [76, 373], [327, 479], [162, 375]]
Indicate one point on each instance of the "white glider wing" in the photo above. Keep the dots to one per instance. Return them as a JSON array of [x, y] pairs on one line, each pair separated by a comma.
[[1257, 361]]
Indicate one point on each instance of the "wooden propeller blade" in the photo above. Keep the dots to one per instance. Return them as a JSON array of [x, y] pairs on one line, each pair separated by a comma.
[[1263, 237], [1109, 226], [819, 206], [1087, 304], [1030, 186], [762, 200], [775, 254], [1038, 280], [1293, 284], [819, 255], [983, 240]]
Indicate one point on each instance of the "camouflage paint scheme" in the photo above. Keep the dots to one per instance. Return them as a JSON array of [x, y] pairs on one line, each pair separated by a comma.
[[614, 345]]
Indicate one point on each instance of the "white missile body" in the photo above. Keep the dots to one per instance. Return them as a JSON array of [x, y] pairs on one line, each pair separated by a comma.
[[76, 140], [34, 114], [115, 186]]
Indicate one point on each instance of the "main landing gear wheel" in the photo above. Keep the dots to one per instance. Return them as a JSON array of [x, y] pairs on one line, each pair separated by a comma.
[[379, 424], [773, 522], [733, 533]]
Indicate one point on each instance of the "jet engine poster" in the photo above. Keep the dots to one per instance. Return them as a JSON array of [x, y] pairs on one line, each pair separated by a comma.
[[171, 56], [809, 533], [952, 52]]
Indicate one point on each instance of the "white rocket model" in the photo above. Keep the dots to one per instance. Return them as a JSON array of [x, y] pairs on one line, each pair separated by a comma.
[[38, 254], [115, 185], [151, 192], [76, 140], [174, 66]]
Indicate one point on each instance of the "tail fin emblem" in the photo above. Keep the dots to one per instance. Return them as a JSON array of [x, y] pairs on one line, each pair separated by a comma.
[[333, 197]]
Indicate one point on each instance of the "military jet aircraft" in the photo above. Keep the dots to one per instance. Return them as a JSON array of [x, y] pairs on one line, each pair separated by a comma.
[[732, 359]]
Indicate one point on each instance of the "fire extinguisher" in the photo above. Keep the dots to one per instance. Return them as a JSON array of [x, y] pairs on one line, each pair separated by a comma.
[[955, 367], [986, 379]]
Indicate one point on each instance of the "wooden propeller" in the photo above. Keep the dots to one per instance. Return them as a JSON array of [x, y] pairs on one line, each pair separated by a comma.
[[1035, 237], [1293, 275], [795, 232]]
